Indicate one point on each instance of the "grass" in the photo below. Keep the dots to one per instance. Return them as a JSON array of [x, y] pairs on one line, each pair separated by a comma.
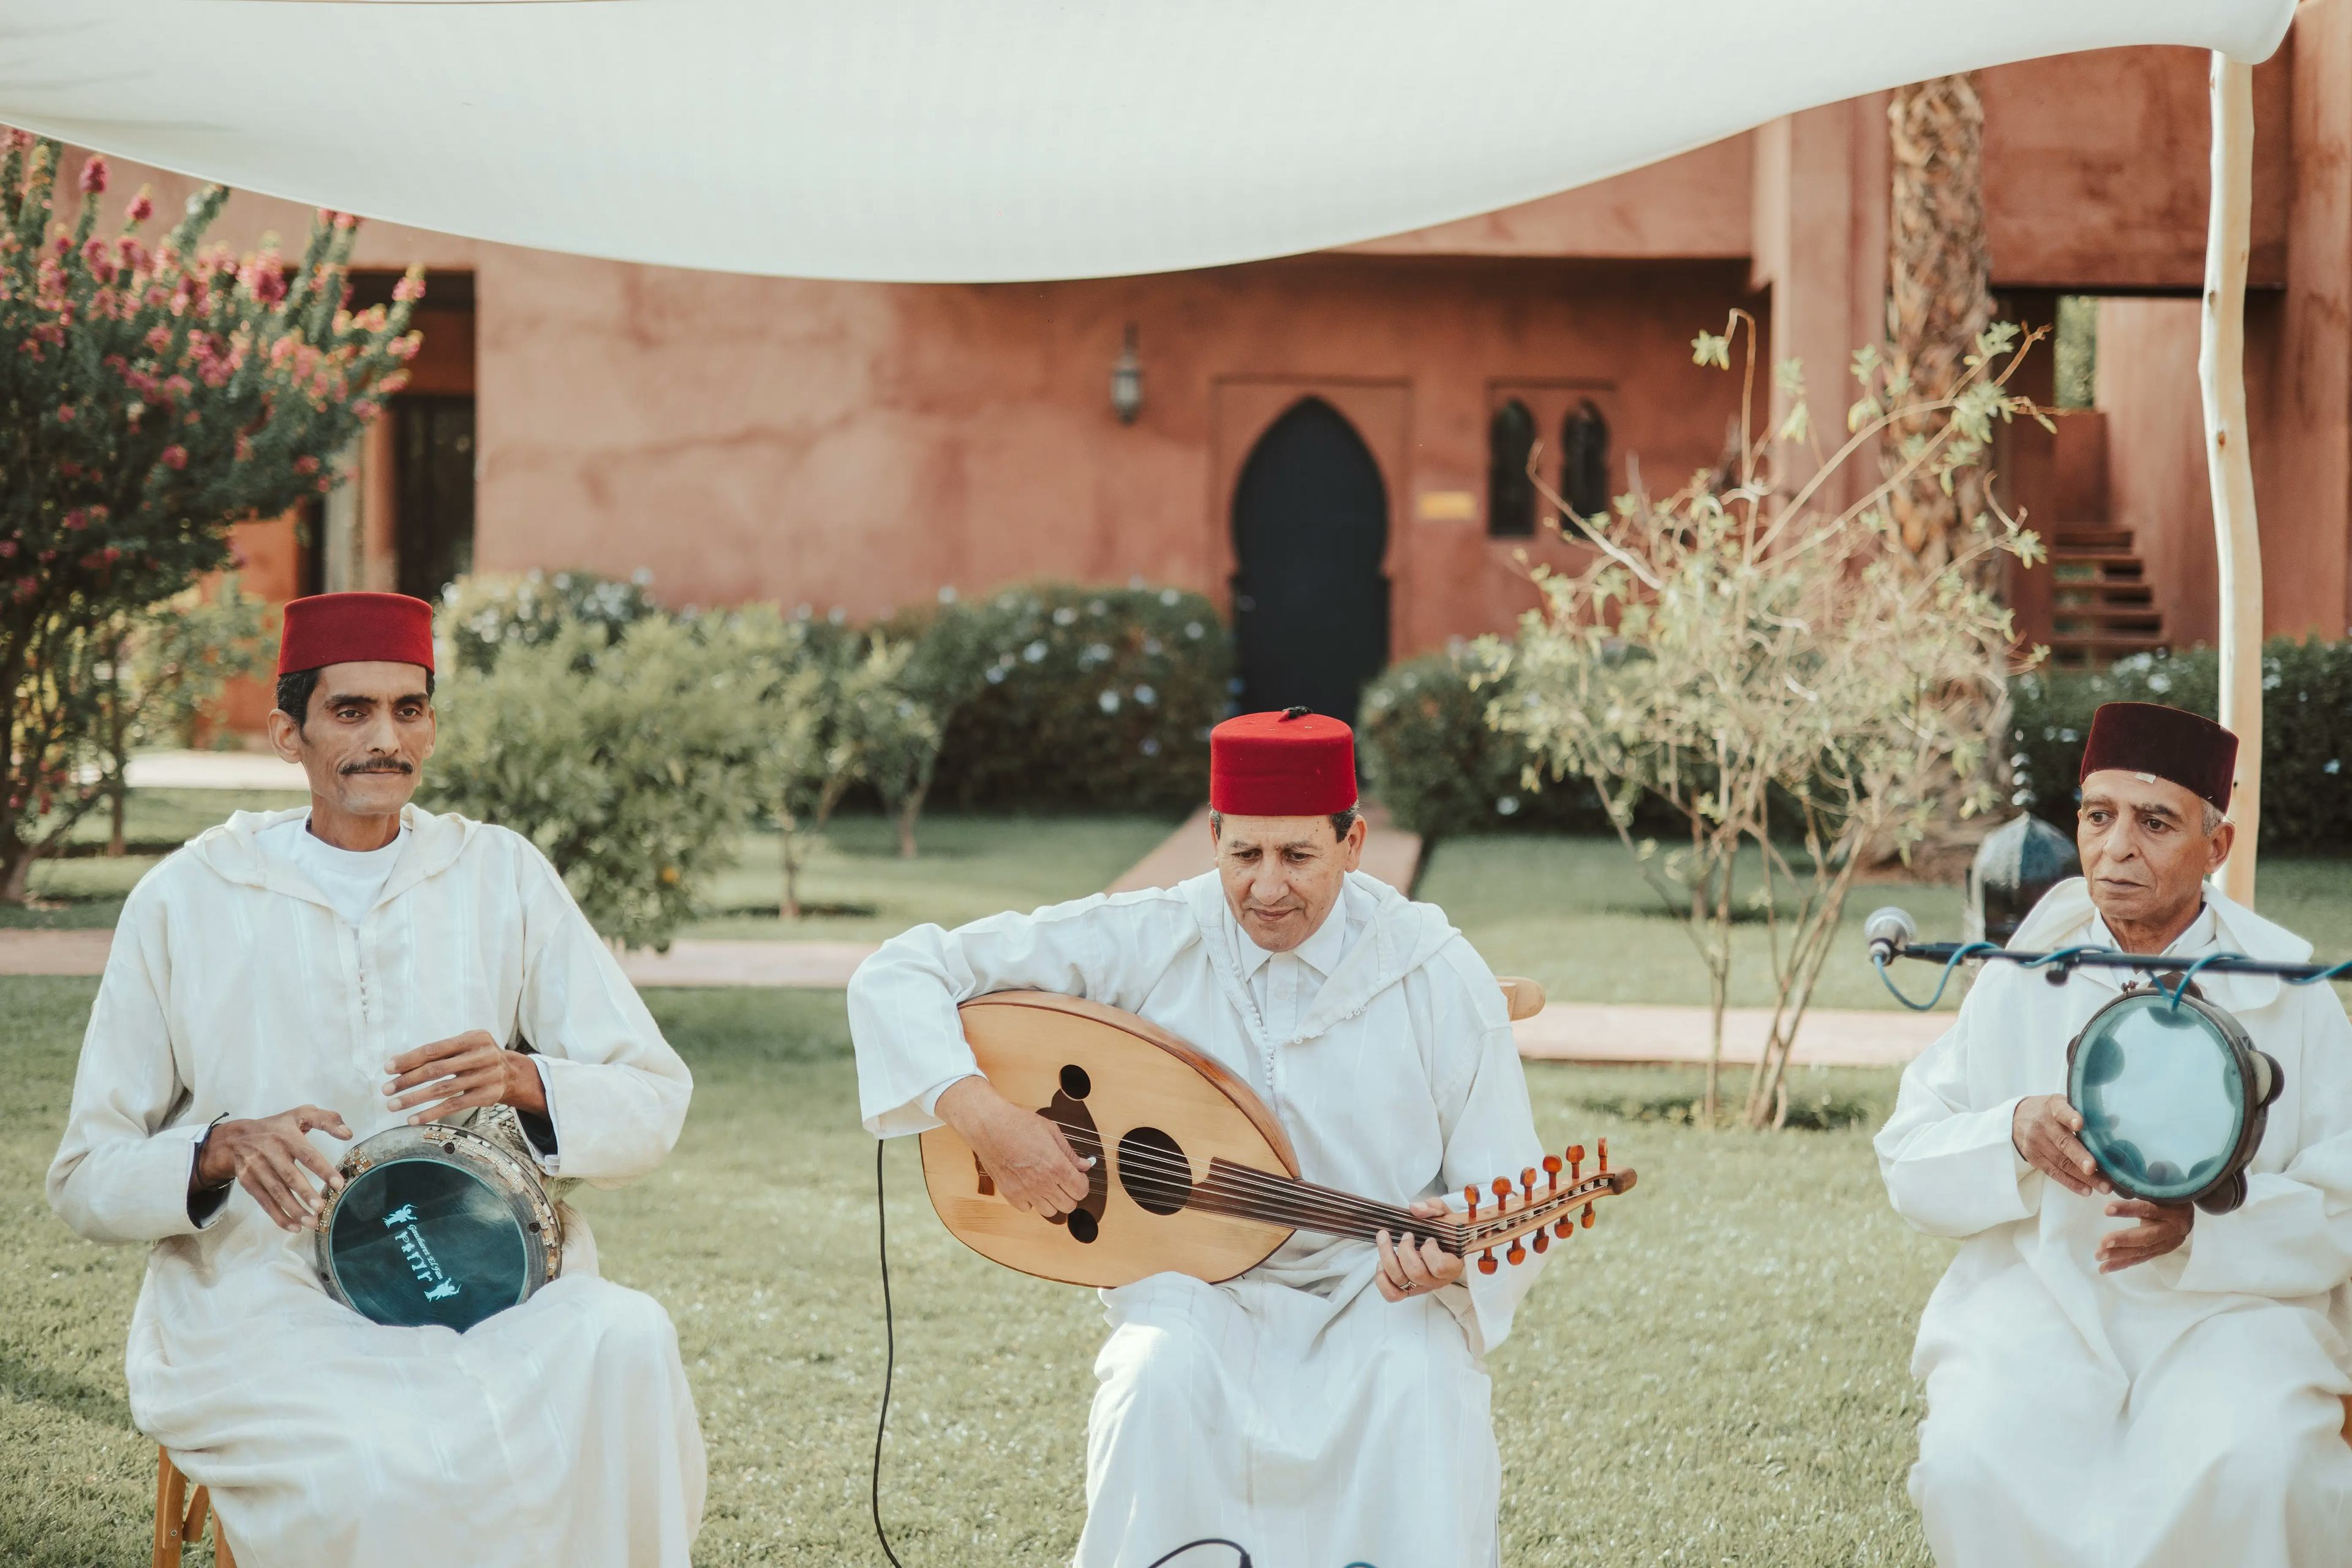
[[855, 887], [1575, 914], [1715, 1374]]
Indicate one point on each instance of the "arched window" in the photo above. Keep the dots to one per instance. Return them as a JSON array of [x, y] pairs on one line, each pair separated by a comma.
[[1510, 494], [1584, 460]]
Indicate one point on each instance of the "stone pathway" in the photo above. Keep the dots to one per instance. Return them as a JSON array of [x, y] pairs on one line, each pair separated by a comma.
[[1563, 1031]]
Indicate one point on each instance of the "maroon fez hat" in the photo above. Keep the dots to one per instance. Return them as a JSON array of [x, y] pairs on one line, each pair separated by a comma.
[[2169, 743], [355, 629], [1291, 763]]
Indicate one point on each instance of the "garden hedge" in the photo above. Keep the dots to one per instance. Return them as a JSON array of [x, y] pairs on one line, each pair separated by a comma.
[[2306, 731]]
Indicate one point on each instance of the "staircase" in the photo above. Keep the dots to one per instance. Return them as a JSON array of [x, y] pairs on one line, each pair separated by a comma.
[[2102, 608]]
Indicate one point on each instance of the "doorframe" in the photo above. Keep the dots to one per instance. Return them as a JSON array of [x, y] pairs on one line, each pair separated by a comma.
[[1243, 405]]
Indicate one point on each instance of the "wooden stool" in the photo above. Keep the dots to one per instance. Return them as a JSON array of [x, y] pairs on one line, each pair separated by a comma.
[[180, 1510]]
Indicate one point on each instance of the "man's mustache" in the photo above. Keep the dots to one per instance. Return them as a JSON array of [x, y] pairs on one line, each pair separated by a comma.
[[379, 768]]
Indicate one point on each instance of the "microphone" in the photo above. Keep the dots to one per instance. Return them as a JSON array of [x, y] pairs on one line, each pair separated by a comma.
[[1888, 932]]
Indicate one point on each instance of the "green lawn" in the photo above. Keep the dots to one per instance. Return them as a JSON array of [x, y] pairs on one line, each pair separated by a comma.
[[855, 887], [1716, 1373]]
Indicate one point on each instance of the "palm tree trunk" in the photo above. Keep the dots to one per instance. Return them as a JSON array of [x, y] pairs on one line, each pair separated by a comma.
[[1940, 290]]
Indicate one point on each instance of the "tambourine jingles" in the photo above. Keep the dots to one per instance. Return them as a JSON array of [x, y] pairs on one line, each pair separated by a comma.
[[440, 1224], [2174, 1096]]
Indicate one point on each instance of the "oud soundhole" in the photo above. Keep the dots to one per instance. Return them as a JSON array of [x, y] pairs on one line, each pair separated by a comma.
[[1074, 1082], [1083, 1225], [1153, 1170]]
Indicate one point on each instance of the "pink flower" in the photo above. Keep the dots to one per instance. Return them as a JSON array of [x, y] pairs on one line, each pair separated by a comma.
[[306, 464], [263, 279], [158, 339], [326, 483], [177, 386], [175, 458], [76, 519], [346, 221], [65, 414], [142, 207], [366, 408], [411, 287], [7, 548], [93, 177], [404, 348], [244, 448], [19, 141]]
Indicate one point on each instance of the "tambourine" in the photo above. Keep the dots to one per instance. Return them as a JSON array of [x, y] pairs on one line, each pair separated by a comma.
[[2173, 1095], [436, 1224]]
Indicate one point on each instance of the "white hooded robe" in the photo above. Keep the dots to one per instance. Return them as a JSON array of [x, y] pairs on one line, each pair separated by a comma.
[[1291, 1409], [559, 1431], [2185, 1412]]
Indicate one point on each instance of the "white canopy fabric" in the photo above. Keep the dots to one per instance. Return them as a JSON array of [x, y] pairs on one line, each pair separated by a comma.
[[980, 140]]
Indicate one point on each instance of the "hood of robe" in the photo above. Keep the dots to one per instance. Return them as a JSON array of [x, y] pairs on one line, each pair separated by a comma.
[[1399, 937], [2064, 915], [229, 852]]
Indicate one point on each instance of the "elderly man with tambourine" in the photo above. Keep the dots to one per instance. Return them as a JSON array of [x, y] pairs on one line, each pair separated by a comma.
[[400, 1351], [2138, 1358]]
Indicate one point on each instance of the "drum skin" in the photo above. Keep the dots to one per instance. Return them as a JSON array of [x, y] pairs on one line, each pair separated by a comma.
[[2174, 1098], [435, 1225]]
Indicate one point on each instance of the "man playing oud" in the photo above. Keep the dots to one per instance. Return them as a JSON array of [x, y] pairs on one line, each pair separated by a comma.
[[294, 980], [2112, 1381], [1331, 1405]]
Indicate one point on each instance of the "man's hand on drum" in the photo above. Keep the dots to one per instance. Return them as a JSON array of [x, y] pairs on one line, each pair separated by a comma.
[[2044, 1129], [2162, 1228], [1416, 1267], [463, 1072], [270, 1158], [1033, 1166]]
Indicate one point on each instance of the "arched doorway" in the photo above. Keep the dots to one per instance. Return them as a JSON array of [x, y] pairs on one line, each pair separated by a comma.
[[1310, 528]]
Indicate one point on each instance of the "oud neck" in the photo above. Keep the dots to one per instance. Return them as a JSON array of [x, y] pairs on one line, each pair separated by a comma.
[[1275, 1198]]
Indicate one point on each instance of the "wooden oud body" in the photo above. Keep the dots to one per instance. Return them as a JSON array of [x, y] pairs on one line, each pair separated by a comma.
[[1137, 1098]]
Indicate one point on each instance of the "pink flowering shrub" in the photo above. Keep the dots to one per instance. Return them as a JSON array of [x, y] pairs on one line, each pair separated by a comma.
[[154, 392]]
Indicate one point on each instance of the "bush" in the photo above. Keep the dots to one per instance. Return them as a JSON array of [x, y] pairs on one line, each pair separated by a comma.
[[624, 758], [485, 612], [2306, 731], [1058, 694], [1438, 766]]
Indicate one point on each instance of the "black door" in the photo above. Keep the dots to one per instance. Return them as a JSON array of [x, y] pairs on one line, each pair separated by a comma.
[[433, 492], [1310, 603]]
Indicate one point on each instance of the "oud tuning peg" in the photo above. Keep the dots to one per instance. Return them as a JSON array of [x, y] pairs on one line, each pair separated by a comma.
[[1517, 1255], [1528, 1184], [1543, 1239], [1604, 1156], [1565, 1228], [1502, 1192], [1551, 1169], [1576, 1162], [1588, 1216], [1471, 1193], [1486, 1261]]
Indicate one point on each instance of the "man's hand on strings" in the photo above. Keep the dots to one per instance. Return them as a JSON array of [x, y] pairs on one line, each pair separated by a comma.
[[2044, 1129], [462, 1073], [1033, 1166], [270, 1158], [2162, 1228], [1412, 1266]]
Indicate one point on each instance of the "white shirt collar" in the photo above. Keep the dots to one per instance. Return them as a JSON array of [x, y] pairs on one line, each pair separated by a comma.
[[1321, 951], [2202, 932]]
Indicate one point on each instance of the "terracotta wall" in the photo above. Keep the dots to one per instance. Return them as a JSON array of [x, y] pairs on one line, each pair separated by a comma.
[[867, 445]]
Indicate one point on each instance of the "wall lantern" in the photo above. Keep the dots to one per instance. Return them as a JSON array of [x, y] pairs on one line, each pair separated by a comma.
[[1127, 382]]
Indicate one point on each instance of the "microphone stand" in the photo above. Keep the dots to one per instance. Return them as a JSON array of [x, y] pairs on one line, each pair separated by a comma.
[[2057, 964]]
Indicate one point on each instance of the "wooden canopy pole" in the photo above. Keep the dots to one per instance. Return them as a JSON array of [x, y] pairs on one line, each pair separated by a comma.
[[2229, 465]]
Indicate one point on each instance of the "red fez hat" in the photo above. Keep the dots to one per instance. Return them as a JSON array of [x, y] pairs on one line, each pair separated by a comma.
[[2168, 743], [1291, 763], [355, 629]]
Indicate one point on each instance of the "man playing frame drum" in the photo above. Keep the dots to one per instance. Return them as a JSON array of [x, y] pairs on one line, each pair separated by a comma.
[[2111, 1380], [1329, 1404], [294, 980]]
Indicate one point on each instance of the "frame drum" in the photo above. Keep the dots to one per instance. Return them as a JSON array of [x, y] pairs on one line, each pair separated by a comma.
[[2174, 1098], [436, 1224]]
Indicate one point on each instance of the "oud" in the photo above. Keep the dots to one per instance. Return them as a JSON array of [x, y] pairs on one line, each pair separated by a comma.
[[1192, 1173]]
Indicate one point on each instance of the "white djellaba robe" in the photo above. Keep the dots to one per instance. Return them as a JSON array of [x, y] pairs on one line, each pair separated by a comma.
[[2182, 1413], [561, 1430], [1291, 1409]]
